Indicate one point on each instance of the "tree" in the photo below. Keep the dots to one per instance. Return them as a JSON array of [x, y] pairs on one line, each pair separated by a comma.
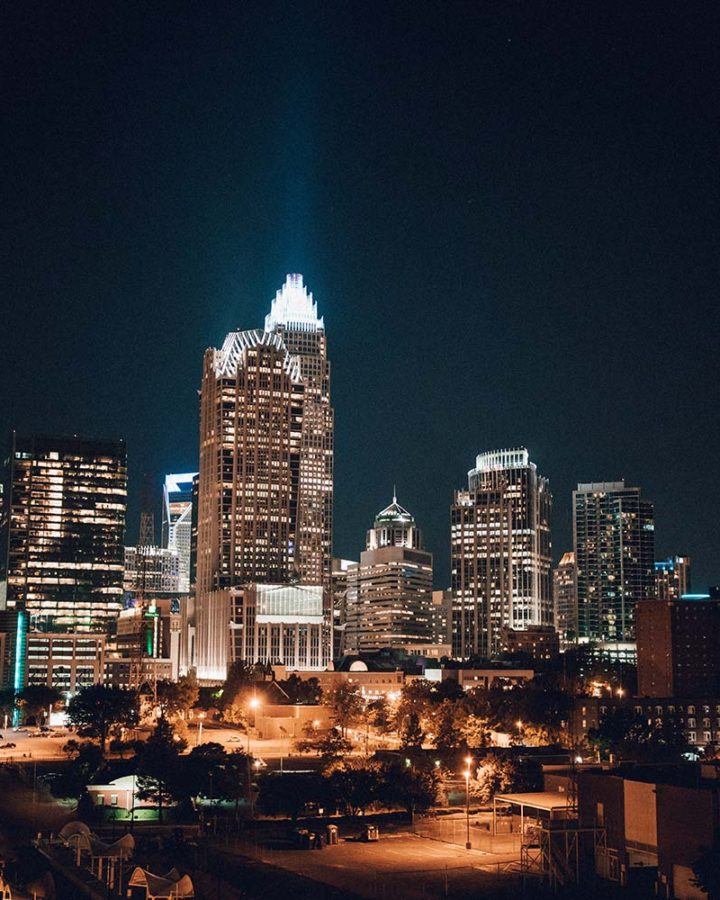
[[86, 761], [7, 703], [356, 786], [634, 737], [378, 715], [97, 710], [36, 699], [329, 745], [448, 725], [301, 690], [476, 731], [411, 788], [177, 698], [203, 767], [240, 679], [706, 872], [235, 777], [416, 697], [288, 794], [347, 705], [493, 776], [411, 734], [158, 767]]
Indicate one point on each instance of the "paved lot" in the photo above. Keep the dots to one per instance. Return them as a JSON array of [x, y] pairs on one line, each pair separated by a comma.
[[27, 747], [399, 866]]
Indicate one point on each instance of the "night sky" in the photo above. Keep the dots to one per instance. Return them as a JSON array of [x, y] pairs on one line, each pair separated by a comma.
[[507, 212]]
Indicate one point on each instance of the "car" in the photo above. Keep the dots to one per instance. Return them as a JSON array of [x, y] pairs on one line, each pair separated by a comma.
[[234, 740], [45, 729], [20, 730], [8, 746]]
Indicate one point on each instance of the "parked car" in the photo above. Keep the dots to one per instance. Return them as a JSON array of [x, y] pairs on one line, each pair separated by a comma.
[[8, 746]]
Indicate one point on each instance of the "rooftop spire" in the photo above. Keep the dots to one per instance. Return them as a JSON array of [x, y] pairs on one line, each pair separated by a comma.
[[294, 307]]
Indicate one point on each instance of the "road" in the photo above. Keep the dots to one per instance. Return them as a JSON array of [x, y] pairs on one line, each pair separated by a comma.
[[50, 747]]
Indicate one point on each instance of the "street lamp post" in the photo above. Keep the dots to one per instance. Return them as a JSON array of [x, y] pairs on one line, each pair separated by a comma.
[[254, 704], [468, 845]]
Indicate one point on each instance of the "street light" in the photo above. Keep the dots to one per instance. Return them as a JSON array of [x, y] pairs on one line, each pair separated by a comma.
[[254, 704], [468, 760]]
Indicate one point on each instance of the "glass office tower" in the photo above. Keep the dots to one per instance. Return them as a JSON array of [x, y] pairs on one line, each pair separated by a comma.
[[500, 552], [62, 530]]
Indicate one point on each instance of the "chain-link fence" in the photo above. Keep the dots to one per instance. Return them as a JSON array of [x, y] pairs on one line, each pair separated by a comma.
[[454, 830]]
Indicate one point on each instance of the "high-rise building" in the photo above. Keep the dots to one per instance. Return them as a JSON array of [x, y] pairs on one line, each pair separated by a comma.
[[678, 647], [672, 578], [500, 552], [266, 468], [177, 522], [614, 538], [338, 589], [62, 530], [152, 571], [566, 599], [389, 597], [441, 613]]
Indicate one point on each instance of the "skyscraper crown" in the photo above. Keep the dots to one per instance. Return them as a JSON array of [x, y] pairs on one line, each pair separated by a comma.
[[294, 307]]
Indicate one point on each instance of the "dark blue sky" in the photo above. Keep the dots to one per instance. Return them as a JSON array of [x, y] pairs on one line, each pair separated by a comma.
[[508, 214]]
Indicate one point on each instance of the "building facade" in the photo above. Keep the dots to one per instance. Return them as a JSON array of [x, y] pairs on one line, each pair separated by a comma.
[[538, 642], [500, 552], [614, 545], [62, 530], [441, 616], [338, 591], [146, 646], [67, 662], [152, 571], [281, 624], [266, 468], [389, 596], [565, 599], [672, 578], [177, 522], [678, 648]]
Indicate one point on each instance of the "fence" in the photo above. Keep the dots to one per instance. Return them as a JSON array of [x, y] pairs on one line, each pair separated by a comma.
[[453, 830]]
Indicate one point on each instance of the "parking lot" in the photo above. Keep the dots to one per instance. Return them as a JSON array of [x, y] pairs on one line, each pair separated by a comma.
[[29, 745], [402, 865]]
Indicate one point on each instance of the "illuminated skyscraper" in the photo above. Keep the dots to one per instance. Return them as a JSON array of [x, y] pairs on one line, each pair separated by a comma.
[[389, 596], [614, 534], [62, 529], [672, 578], [500, 552], [566, 600], [177, 522], [266, 469]]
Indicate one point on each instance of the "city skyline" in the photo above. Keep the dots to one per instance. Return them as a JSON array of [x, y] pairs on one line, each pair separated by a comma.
[[511, 228]]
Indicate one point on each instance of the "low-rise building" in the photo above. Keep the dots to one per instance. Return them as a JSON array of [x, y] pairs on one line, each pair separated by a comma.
[[657, 823], [537, 642], [67, 662], [483, 678]]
